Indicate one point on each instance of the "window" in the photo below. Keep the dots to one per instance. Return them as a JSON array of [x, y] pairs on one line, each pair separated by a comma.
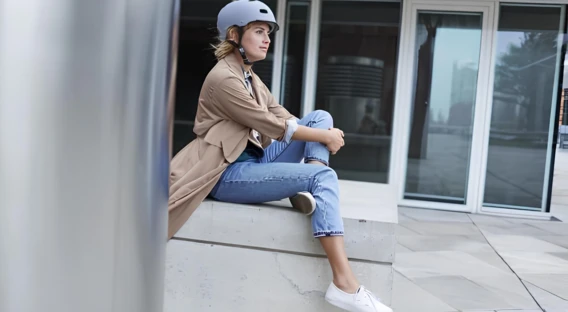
[[525, 89], [356, 83]]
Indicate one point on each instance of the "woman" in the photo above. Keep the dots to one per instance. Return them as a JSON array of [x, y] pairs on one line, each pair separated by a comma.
[[235, 159]]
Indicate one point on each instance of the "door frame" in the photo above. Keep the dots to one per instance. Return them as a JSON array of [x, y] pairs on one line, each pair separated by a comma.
[[403, 102]]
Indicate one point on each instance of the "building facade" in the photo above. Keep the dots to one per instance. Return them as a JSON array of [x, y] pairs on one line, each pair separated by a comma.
[[448, 105]]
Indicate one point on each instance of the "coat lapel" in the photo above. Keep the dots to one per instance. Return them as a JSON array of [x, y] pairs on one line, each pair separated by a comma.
[[236, 67]]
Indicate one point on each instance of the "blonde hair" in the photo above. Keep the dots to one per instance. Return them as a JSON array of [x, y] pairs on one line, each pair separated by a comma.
[[224, 47]]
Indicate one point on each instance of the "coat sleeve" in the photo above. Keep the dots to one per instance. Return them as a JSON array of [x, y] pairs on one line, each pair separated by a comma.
[[235, 102], [280, 111], [275, 107]]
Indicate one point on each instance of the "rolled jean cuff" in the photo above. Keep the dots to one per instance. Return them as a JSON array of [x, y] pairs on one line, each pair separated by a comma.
[[292, 126], [328, 233], [307, 159]]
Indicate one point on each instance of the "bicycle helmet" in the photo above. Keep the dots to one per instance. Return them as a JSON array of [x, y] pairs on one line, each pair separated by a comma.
[[241, 13]]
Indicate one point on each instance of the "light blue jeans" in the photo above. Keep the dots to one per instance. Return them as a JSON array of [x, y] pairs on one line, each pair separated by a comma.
[[280, 174]]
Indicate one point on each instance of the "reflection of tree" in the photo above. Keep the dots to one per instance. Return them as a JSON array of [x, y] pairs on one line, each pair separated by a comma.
[[527, 72]]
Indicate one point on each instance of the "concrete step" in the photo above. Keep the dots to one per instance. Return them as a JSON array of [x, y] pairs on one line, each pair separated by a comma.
[[209, 277], [231, 257]]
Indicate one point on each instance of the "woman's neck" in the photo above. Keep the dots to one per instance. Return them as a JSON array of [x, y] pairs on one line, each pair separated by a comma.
[[245, 66]]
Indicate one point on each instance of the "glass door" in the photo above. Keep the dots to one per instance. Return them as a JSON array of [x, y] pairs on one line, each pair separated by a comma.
[[447, 47], [525, 96]]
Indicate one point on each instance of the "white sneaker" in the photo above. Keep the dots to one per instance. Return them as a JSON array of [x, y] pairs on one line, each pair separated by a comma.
[[305, 202], [361, 301]]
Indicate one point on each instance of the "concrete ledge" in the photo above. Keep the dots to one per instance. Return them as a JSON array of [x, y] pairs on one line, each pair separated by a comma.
[[277, 226]]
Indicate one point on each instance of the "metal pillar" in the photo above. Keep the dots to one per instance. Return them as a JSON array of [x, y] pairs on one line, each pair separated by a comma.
[[84, 153]]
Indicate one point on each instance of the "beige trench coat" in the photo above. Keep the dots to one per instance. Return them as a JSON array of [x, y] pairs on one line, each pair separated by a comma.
[[226, 115]]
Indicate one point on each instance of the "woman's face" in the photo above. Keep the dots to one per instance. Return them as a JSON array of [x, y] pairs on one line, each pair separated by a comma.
[[256, 41]]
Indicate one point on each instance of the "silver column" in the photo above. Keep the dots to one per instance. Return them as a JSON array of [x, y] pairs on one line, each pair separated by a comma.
[[84, 154]]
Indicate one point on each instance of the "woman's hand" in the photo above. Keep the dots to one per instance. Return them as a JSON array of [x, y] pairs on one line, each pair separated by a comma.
[[334, 140]]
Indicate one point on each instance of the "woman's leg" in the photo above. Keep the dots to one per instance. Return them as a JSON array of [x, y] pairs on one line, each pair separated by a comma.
[[251, 182], [316, 153], [343, 276]]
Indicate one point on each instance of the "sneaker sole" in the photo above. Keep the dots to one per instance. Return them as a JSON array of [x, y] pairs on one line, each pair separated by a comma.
[[347, 307], [304, 203], [338, 304]]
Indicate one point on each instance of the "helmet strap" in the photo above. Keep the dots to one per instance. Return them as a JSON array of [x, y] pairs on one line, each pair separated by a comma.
[[240, 47]]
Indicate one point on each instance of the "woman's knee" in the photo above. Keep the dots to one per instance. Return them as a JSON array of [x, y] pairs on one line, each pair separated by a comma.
[[331, 174], [322, 116], [327, 178]]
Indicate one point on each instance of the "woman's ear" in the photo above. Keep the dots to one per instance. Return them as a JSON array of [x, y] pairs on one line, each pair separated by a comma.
[[233, 34]]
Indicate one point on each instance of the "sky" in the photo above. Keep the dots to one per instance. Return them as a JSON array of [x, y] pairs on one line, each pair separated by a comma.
[[452, 45]]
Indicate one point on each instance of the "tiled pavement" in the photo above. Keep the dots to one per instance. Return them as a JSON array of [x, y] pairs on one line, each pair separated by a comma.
[[461, 262]]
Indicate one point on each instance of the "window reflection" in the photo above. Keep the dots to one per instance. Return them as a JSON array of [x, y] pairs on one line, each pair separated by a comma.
[[447, 63], [525, 90]]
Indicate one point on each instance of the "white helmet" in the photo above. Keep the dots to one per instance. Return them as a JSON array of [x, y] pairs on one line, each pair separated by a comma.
[[242, 12]]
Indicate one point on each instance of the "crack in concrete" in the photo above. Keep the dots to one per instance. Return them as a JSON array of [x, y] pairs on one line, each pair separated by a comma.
[[294, 285], [555, 295]]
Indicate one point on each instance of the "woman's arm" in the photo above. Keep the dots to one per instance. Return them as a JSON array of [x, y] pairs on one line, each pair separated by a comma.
[[308, 134], [234, 102]]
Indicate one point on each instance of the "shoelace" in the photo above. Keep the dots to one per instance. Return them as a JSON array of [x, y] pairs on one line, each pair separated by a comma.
[[370, 295]]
